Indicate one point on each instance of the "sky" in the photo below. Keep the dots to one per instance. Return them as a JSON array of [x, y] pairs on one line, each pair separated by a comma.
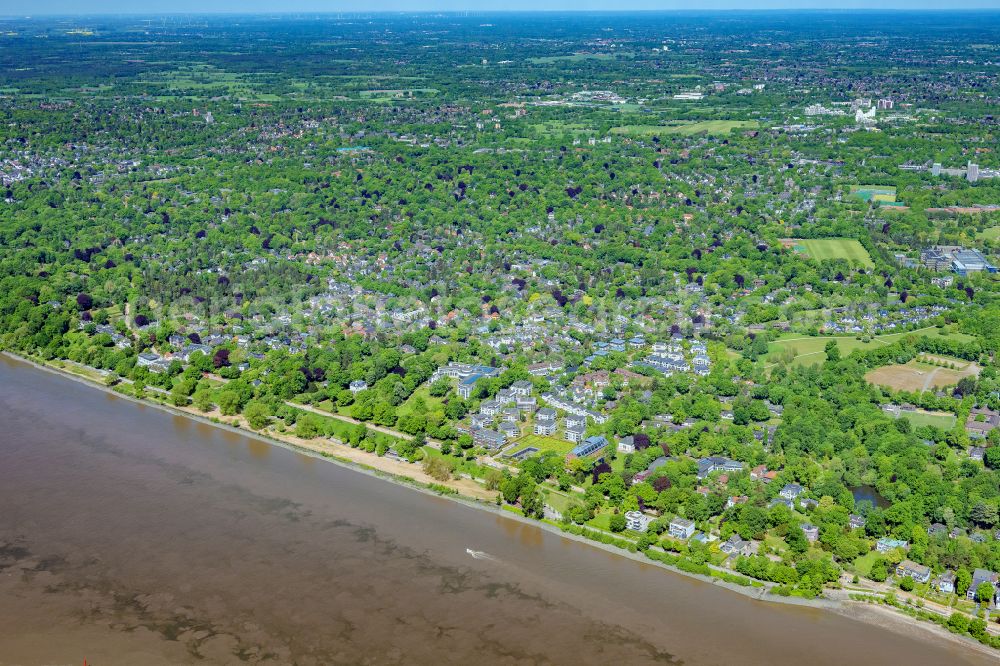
[[42, 7]]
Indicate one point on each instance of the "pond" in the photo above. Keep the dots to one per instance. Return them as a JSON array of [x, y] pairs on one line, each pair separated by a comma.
[[871, 494]]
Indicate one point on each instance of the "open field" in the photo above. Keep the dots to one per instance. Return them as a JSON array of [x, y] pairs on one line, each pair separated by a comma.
[[942, 420], [575, 57], [685, 128], [824, 249], [863, 565], [422, 394], [810, 349], [990, 234], [559, 127], [917, 376]]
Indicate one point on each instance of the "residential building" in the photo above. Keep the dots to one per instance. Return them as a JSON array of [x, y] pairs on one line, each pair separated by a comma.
[[589, 446], [637, 521], [885, 544], [981, 421], [811, 532], [918, 572], [791, 491], [491, 439], [521, 388], [574, 433], [946, 582], [544, 426], [510, 430], [357, 386], [648, 472], [681, 528], [716, 463], [980, 576], [736, 546]]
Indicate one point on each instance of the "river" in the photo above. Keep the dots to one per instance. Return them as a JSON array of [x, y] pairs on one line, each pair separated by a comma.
[[129, 535]]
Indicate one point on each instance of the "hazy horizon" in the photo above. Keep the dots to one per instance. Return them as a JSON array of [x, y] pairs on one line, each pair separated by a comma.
[[70, 8]]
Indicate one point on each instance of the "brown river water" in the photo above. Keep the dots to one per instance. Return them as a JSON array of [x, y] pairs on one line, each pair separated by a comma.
[[129, 535]]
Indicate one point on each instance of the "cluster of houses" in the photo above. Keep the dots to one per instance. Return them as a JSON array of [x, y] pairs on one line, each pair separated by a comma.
[[669, 358], [881, 320], [498, 420], [981, 421]]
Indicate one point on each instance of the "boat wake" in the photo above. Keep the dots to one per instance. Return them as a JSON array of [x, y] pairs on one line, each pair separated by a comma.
[[480, 555]]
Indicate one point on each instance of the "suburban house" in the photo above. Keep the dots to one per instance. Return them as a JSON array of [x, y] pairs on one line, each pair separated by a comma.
[[980, 576], [736, 499], [681, 528], [626, 444], [761, 473], [791, 491], [937, 530], [811, 532], [856, 521], [715, 463], [147, 359], [648, 472], [918, 572], [737, 546], [357, 386], [981, 421], [885, 544], [946, 582]]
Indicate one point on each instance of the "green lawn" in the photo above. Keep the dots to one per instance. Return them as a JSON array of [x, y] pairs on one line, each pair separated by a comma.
[[559, 500], [576, 57], [602, 521], [542, 443], [685, 128], [810, 349], [559, 127], [824, 249], [422, 393], [863, 565], [775, 543], [990, 234], [942, 420]]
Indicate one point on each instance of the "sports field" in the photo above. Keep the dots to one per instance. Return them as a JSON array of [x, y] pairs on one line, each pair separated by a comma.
[[874, 193], [823, 249]]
